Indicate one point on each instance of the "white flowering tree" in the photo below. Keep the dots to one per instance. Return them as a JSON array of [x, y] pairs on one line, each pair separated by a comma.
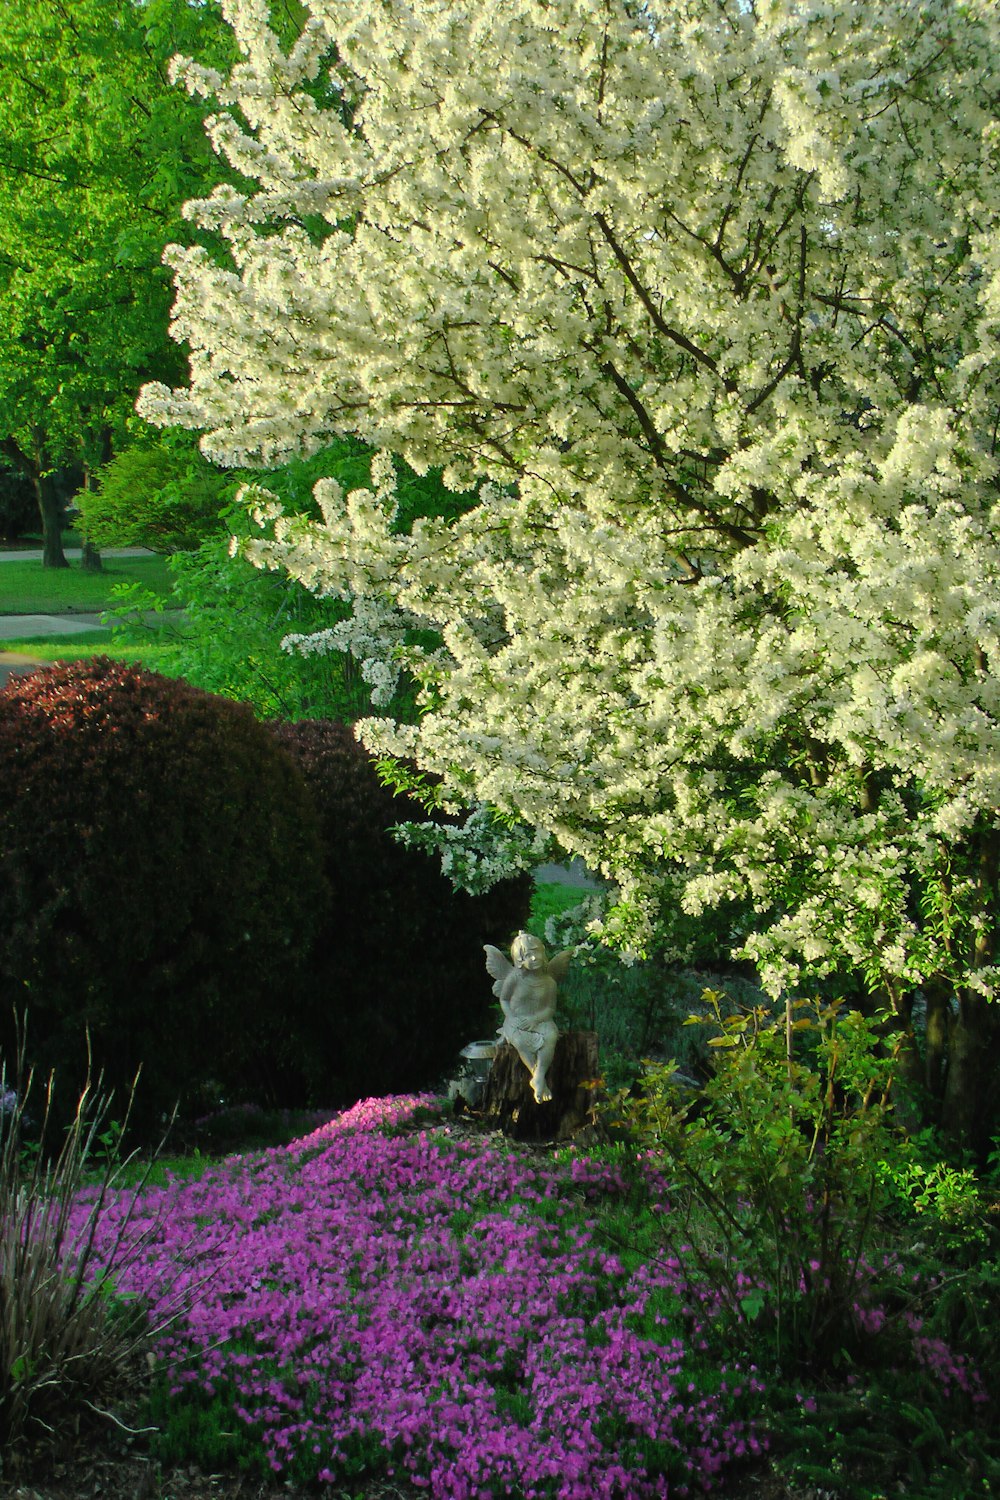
[[705, 296]]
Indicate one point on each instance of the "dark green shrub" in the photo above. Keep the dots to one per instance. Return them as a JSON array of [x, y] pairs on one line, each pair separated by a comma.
[[160, 880], [398, 982]]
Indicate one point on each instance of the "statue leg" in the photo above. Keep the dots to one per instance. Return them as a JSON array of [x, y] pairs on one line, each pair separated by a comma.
[[543, 1060]]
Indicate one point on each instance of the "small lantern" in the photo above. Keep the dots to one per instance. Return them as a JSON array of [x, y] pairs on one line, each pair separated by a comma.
[[477, 1059]]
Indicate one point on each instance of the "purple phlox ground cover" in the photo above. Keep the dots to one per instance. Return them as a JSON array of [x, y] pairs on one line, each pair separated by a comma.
[[408, 1302]]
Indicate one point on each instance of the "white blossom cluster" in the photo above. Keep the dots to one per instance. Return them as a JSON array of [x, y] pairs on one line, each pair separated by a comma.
[[705, 297], [480, 850]]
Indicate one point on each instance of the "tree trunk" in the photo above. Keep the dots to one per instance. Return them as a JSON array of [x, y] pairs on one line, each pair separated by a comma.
[[969, 1112], [33, 465], [91, 556], [50, 510], [936, 1039], [509, 1104]]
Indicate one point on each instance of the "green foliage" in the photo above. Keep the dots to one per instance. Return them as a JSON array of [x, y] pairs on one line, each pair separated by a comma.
[[236, 615], [204, 1431], [235, 619], [164, 495], [945, 1200], [159, 876], [401, 947], [629, 1005], [100, 153], [160, 491], [636, 1008], [782, 1155], [891, 1436]]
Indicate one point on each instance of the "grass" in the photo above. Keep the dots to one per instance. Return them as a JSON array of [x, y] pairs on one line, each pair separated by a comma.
[[156, 655], [26, 588], [551, 900]]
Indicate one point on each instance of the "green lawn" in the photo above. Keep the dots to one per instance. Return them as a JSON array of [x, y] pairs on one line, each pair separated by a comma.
[[158, 655], [26, 588]]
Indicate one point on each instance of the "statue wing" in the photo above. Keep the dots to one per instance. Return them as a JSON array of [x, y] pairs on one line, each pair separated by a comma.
[[497, 966], [560, 963]]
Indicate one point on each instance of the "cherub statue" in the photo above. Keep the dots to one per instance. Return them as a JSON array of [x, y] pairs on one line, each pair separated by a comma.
[[526, 989]]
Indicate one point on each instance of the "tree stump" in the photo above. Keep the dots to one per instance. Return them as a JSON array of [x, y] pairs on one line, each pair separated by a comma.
[[509, 1105]]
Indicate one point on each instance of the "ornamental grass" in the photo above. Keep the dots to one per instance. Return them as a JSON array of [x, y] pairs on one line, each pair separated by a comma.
[[72, 1334]]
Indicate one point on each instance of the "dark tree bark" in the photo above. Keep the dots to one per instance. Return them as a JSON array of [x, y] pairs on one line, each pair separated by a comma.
[[50, 510], [33, 465], [91, 556], [936, 1040], [971, 1111], [508, 1103]]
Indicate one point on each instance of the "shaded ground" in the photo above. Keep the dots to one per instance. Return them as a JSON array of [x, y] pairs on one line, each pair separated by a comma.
[[117, 1469], [89, 1474]]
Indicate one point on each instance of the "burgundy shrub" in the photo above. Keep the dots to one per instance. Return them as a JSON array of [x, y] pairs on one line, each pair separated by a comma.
[[398, 982], [160, 881]]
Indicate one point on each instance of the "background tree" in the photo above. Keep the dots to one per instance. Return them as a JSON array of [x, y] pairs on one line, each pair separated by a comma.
[[97, 153], [707, 294]]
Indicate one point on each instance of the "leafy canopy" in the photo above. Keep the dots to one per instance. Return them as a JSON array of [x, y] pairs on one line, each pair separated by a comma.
[[97, 153]]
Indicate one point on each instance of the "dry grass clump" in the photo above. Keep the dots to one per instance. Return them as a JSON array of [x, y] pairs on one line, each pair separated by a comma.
[[68, 1341]]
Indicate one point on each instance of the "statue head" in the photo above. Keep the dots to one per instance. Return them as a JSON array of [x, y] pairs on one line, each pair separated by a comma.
[[527, 952]]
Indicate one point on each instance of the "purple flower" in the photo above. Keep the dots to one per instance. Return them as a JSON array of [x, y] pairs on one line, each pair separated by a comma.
[[430, 1300]]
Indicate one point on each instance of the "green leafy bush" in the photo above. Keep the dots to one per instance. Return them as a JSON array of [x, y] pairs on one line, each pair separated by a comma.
[[945, 1201], [398, 982], [160, 880], [163, 495], [235, 618], [783, 1154]]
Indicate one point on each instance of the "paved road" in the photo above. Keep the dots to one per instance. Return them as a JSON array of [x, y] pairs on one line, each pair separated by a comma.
[[27, 627], [17, 554]]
